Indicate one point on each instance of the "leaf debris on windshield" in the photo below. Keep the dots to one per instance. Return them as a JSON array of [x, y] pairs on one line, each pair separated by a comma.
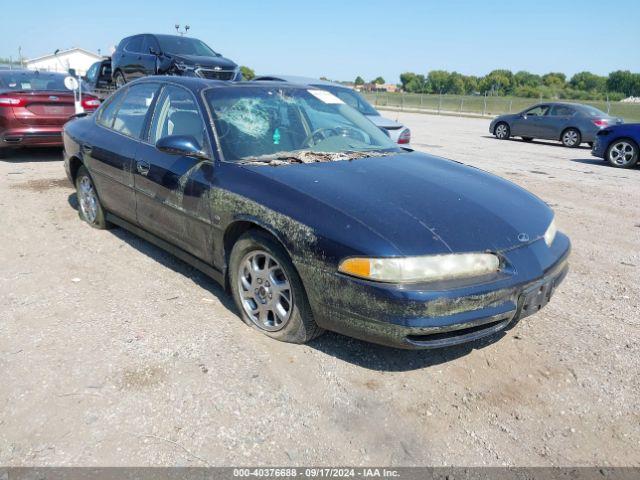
[[288, 158]]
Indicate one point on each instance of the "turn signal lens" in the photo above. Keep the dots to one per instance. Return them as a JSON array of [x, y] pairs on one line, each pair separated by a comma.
[[421, 269], [359, 267]]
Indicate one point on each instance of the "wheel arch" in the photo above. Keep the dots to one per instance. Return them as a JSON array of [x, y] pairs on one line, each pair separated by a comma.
[[626, 138], [236, 229], [500, 122], [74, 165], [570, 127]]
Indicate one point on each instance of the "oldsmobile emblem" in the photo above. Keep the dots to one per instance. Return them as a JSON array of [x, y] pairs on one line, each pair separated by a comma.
[[523, 237], [53, 97]]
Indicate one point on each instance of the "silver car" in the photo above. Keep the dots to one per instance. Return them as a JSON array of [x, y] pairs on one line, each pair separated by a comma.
[[397, 132], [569, 123]]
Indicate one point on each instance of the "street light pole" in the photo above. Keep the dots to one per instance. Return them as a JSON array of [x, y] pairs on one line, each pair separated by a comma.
[[186, 29]]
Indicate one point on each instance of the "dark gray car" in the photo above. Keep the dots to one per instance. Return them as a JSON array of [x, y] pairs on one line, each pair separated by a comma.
[[569, 123]]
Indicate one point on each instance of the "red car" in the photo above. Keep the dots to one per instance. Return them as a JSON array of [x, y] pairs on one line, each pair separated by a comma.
[[33, 108]]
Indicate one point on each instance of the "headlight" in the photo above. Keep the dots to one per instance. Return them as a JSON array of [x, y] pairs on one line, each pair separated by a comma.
[[421, 269], [550, 234], [184, 67]]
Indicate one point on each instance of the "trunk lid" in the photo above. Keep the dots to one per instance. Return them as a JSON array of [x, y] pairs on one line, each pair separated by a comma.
[[50, 108]]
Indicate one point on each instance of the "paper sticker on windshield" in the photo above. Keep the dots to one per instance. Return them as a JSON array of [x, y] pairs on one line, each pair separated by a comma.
[[324, 96]]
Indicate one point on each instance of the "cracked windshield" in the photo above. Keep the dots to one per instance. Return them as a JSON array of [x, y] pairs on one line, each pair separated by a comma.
[[292, 125]]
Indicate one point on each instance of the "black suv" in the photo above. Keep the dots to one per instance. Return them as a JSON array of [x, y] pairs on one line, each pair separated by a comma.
[[151, 54]]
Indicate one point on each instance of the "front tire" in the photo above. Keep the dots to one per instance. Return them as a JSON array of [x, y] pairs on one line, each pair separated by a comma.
[[502, 131], [89, 208], [622, 153], [119, 79], [268, 291], [571, 138]]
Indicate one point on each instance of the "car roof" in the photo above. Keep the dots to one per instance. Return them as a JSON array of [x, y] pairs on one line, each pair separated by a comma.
[[26, 70], [196, 83], [299, 80]]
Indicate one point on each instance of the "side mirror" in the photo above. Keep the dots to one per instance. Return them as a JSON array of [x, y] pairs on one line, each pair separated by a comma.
[[184, 145], [152, 51]]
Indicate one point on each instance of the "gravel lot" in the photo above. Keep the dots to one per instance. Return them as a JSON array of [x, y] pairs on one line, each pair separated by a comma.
[[115, 353]]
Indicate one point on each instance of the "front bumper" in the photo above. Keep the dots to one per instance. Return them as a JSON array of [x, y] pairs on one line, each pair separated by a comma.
[[598, 148], [430, 318]]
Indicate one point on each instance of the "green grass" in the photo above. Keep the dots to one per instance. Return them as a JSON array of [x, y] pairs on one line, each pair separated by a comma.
[[494, 105]]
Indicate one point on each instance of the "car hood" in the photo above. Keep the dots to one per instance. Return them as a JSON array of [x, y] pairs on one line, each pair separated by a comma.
[[221, 62], [506, 117], [380, 121], [422, 204]]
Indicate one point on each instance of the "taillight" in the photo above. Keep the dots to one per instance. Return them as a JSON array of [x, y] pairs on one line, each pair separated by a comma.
[[405, 137], [90, 103], [12, 101], [601, 122]]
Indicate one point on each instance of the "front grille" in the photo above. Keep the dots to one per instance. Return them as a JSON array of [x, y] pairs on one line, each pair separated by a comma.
[[215, 74]]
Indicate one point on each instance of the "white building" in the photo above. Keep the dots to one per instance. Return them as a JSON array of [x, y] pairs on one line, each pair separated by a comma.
[[76, 58]]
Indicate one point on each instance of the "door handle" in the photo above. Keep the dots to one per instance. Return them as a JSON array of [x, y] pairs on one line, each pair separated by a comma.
[[143, 167]]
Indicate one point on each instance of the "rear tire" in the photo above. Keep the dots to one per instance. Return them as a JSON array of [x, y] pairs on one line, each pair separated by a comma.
[[502, 131], [89, 207], [268, 291], [571, 138], [4, 152], [622, 153]]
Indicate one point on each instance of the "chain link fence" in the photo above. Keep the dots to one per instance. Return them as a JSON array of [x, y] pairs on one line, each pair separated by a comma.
[[486, 106]]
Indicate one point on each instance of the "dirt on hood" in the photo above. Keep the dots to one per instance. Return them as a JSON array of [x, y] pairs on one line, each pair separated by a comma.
[[287, 158]]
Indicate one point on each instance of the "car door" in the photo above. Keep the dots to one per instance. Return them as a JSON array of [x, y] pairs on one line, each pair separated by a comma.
[[110, 148], [529, 123], [556, 121], [171, 189], [148, 59], [132, 61]]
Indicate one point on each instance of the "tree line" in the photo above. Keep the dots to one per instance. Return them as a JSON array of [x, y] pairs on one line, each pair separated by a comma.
[[581, 86]]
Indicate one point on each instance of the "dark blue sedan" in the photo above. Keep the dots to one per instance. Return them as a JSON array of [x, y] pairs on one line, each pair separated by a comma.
[[618, 145], [311, 216]]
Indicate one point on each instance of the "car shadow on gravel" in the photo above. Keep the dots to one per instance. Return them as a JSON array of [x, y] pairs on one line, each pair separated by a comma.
[[549, 143], [33, 155], [168, 260], [381, 358], [357, 352], [598, 162]]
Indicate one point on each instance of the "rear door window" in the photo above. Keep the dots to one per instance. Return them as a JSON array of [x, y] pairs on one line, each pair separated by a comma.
[[135, 44], [131, 116], [562, 111], [108, 111]]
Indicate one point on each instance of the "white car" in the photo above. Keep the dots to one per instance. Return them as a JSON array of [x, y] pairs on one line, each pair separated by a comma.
[[397, 132]]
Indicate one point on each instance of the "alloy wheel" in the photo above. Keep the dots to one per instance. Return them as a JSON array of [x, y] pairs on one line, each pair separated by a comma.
[[265, 291], [570, 138], [621, 153], [88, 200], [501, 131]]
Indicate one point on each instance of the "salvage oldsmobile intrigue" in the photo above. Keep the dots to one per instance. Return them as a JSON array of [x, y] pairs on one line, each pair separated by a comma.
[[311, 216]]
